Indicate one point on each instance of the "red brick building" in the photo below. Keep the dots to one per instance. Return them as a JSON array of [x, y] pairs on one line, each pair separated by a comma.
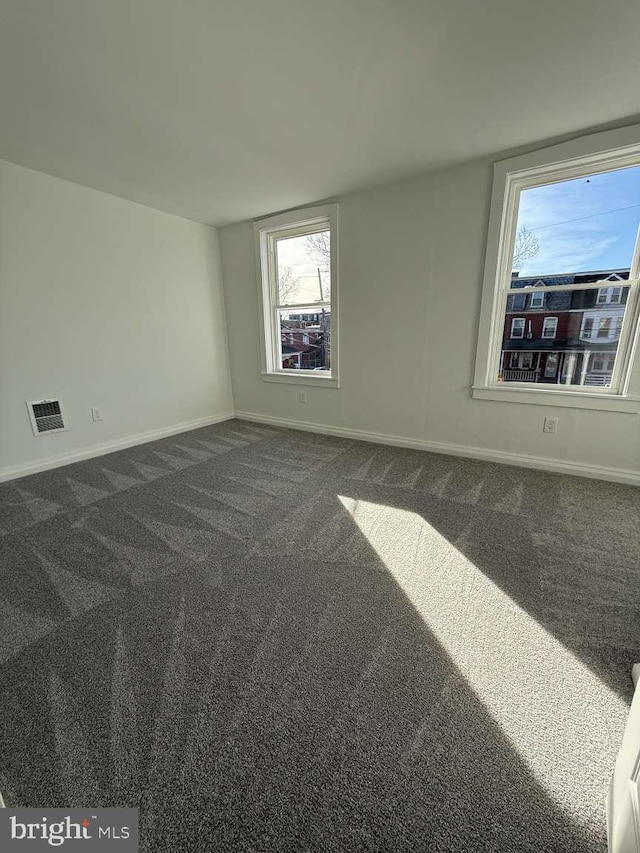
[[563, 337]]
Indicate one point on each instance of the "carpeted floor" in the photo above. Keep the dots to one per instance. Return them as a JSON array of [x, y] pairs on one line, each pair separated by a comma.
[[276, 641]]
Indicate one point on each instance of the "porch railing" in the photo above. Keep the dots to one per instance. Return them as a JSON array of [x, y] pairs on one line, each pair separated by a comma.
[[520, 375], [600, 380]]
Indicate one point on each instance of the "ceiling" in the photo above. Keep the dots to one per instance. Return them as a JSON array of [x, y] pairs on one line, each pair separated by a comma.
[[221, 110]]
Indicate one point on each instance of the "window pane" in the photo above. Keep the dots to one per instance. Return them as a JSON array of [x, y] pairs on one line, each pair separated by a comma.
[[517, 327], [573, 341], [551, 365], [305, 339], [303, 265], [583, 225]]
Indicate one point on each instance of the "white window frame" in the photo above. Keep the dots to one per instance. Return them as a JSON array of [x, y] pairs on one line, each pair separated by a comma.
[[266, 232], [517, 360], [608, 292], [581, 157], [591, 368], [553, 323], [587, 333], [515, 320], [537, 299], [596, 318]]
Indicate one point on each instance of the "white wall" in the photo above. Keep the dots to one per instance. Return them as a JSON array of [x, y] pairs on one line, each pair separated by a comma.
[[411, 264], [107, 303]]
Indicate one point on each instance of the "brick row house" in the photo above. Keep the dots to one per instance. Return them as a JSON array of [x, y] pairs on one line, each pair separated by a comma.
[[306, 341], [567, 338]]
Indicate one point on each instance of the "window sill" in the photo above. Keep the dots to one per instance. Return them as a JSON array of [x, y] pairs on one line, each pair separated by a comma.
[[307, 378], [566, 399]]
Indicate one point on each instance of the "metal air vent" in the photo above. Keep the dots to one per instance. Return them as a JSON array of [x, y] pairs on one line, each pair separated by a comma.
[[46, 416]]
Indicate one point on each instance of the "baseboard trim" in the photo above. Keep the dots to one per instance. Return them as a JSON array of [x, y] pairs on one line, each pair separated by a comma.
[[556, 466], [108, 447]]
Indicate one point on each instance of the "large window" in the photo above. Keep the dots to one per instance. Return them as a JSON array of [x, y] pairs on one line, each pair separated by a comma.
[[602, 362], [549, 327], [608, 295], [298, 291], [537, 298], [564, 229], [517, 327]]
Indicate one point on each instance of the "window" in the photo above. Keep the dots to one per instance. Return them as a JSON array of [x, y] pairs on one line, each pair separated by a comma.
[[517, 302], [297, 255], [553, 215], [521, 360], [587, 327], [551, 365], [598, 325], [517, 327], [602, 362], [609, 295]]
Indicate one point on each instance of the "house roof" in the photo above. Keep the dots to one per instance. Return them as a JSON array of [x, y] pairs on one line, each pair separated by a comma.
[[586, 277]]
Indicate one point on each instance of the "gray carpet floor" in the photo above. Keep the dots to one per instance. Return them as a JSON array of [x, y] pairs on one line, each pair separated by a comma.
[[270, 640]]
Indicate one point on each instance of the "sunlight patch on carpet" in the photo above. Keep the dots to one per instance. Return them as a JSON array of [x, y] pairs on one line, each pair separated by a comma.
[[550, 705]]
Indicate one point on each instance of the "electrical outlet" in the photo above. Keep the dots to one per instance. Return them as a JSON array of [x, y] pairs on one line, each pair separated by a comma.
[[550, 426], [96, 413], [302, 396]]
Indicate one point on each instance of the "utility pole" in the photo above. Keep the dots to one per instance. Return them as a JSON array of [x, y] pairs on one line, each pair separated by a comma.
[[326, 352]]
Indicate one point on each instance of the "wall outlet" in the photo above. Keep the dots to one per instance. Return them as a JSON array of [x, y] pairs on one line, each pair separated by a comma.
[[302, 396], [550, 426], [96, 413]]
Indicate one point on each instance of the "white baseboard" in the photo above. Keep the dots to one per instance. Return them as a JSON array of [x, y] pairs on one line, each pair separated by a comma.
[[596, 472], [108, 447], [615, 475]]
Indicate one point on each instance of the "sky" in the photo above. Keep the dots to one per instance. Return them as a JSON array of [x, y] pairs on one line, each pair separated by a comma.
[[604, 240], [293, 253]]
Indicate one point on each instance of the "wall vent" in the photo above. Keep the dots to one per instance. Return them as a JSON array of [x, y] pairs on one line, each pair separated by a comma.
[[46, 416]]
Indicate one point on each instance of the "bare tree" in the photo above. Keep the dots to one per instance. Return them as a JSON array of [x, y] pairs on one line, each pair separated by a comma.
[[526, 246], [319, 250], [287, 283], [319, 247]]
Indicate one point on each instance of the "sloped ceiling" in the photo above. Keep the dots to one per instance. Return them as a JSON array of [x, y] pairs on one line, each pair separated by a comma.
[[220, 110]]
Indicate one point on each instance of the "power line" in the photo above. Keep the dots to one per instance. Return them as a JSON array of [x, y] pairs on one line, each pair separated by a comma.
[[580, 218]]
